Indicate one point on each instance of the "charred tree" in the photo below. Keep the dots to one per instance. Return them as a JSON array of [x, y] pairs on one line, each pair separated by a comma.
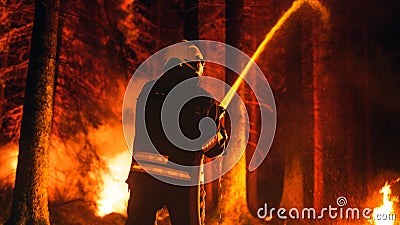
[[232, 206], [15, 37], [2, 100], [191, 24], [30, 199], [265, 184]]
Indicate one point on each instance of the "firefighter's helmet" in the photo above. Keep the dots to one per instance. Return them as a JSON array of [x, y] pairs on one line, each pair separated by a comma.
[[187, 54]]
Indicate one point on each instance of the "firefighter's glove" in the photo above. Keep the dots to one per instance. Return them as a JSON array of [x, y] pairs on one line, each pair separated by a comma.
[[216, 145]]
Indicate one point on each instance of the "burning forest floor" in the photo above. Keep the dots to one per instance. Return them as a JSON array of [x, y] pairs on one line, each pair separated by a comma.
[[78, 211], [73, 212], [65, 213]]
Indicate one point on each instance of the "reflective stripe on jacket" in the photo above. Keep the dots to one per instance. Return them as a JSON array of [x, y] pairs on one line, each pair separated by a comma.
[[156, 164]]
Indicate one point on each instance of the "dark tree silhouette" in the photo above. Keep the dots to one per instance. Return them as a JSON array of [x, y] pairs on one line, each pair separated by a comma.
[[232, 207], [30, 200], [15, 37], [191, 24]]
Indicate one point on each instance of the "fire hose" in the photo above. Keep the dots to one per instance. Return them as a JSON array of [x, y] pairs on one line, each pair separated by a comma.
[[229, 96]]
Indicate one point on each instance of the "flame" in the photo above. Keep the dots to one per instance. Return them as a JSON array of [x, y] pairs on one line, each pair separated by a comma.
[[8, 164], [114, 193], [386, 209]]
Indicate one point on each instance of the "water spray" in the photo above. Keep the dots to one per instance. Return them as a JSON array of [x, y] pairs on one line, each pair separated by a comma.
[[315, 4], [296, 5]]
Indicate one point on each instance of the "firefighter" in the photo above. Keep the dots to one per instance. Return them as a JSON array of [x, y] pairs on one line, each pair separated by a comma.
[[148, 193]]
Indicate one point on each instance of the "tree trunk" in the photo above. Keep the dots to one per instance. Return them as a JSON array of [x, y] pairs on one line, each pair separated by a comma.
[[232, 206], [4, 65], [30, 199], [2, 100], [191, 24]]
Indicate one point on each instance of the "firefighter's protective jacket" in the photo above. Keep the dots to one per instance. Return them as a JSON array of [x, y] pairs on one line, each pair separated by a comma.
[[150, 132]]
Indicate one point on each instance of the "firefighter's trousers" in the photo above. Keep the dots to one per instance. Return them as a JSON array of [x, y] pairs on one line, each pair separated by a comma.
[[148, 194]]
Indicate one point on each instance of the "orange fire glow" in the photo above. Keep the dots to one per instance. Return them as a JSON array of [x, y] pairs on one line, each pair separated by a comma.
[[8, 164], [114, 194], [384, 214]]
